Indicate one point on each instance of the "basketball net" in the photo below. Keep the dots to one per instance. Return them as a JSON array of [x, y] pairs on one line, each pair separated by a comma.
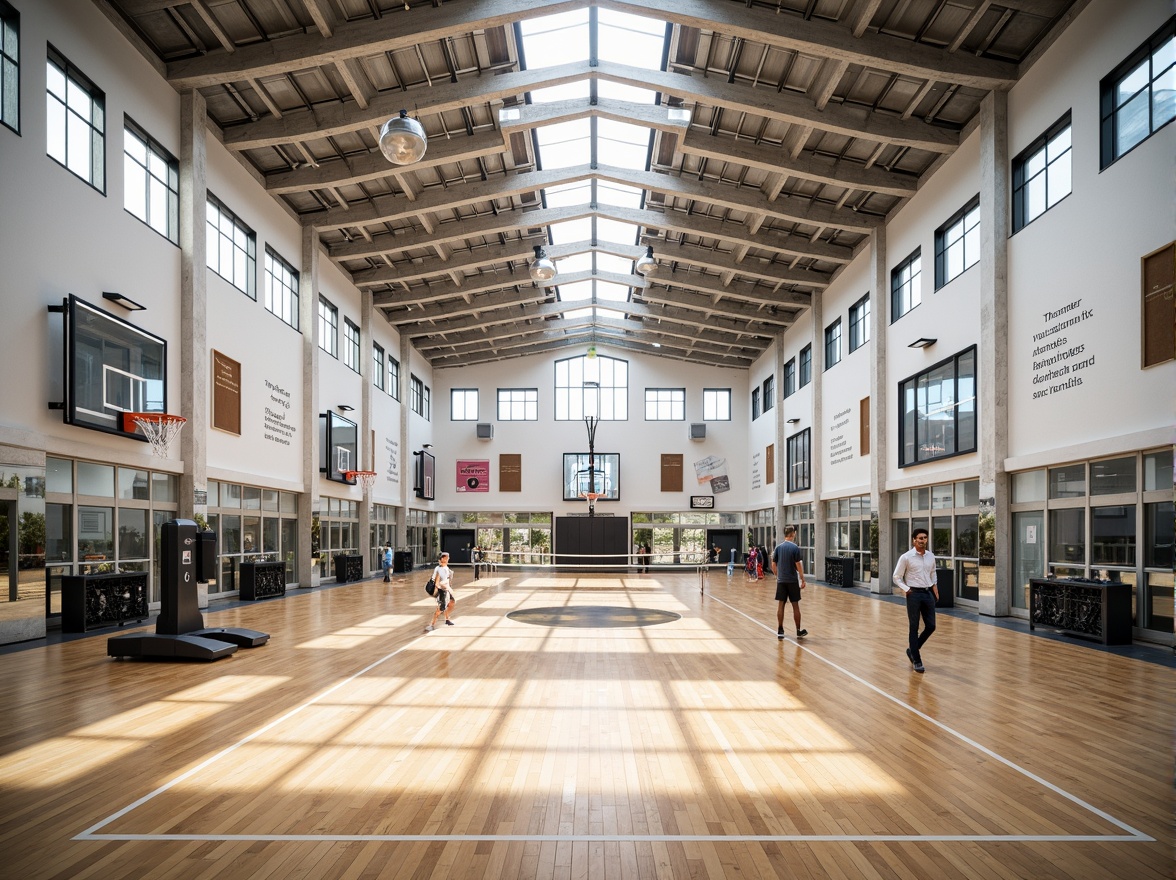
[[160, 429], [367, 479]]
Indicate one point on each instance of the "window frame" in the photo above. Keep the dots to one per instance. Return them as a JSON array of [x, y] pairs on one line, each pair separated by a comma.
[[799, 451], [1023, 187], [460, 399], [286, 283], [755, 403], [947, 242], [1108, 89], [10, 66], [393, 378], [420, 400], [833, 344], [713, 402], [612, 383], [911, 285], [153, 149], [789, 377], [328, 327], [378, 362], [806, 365], [960, 448], [769, 396], [96, 149], [659, 401], [513, 401], [352, 344], [859, 323], [217, 234]]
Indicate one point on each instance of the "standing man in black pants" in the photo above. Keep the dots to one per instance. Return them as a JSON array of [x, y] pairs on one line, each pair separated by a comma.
[[788, 566], [915, 576]]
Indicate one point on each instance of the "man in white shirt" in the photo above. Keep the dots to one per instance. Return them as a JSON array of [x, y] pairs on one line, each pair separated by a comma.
[[915, 576]]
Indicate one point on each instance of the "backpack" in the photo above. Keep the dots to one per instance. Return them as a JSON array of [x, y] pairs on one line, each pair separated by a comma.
[[431, 587]]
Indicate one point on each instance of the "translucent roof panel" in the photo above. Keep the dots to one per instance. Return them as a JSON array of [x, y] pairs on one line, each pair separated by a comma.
[[606, 291], [576, 262], [621, 144], [610, 314], [580, 290], [565, 144], [613, 263], [555, 39], [623, 92], [614, 230], [571, 231], [568, 91], [609, 193], [579, 193], [630, 39]]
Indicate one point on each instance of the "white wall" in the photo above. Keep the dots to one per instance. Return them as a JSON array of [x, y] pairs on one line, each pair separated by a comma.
[[1087, 248], [542, 444]]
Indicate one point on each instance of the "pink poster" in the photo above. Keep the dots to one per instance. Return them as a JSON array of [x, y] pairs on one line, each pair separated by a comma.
[[473, 476]]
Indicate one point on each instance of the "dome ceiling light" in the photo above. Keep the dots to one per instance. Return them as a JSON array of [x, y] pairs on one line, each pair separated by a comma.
[[403, 140]]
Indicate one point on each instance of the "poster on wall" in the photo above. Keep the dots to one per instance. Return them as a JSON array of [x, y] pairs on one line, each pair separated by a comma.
[[226, 393], [473, 476], [713, 470]]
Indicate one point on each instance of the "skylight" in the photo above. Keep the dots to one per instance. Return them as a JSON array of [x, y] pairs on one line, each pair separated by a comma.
[[593, 244]]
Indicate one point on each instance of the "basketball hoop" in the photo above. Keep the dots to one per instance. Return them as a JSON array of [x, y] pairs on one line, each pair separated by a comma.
[[591, 497], [160, 429], [367, 479]]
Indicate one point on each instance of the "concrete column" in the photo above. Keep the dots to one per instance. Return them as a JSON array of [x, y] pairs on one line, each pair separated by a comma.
[[879, 381], [406, 463], [308, 509], [817, 435], [992, 368], [194, 356], [366, 446], [781, 469]]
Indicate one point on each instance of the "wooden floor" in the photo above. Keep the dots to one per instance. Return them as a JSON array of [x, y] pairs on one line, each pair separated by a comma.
[[356, 745]]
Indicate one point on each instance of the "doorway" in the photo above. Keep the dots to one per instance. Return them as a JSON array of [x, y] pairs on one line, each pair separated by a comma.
[[459, 544], [728, 540]]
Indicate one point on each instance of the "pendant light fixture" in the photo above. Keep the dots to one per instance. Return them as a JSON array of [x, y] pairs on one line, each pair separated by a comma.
[[647, 265], [403, 140], [542, 269]]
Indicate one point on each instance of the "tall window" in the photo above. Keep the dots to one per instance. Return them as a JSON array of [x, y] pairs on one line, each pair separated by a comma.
[[937, 411], [665, 404], [9, 66], [957, 243], [806, 365], [420, 397], [518, 404], [798, 461], [716, 404], [1042, 174], [1138, 98], [75, 121], [583, 384], [789, 378], [281, 288], [394, 377], [378, 366], [463, 404], [350, 344], [905, 293], [859, 323], [328, 327], [151, 182], [232, 248], [833, 344], [769, 393], [755, 403]]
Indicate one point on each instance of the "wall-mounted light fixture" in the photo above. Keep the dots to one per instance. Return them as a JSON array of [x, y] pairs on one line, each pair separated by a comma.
[[125, 301], [426, 446], [922, 342], [793, 420], [343, 407]]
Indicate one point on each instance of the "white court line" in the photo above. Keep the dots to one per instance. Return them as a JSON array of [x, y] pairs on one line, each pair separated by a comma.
[[1133, 835]]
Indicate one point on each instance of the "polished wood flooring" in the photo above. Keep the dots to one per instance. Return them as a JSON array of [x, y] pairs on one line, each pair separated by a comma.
[[355, 745]]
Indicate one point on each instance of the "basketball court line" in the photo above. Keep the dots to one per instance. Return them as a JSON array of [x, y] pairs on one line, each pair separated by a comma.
[[1132, 835]]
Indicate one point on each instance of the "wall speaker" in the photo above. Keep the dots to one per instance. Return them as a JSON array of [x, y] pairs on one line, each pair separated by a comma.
[[485, 431], [697, 431]]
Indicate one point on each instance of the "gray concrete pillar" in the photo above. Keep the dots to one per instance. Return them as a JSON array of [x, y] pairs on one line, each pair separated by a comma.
[[309, 505], [816, 438], [879, 380], [194, 356]]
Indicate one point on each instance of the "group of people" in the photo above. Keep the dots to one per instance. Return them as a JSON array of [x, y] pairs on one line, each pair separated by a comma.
[[914, 575]]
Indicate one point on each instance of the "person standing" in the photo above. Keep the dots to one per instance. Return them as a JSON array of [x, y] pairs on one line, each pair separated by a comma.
[[386, 561], [915, 576], [443, 592], [788, 566], [643, 559]]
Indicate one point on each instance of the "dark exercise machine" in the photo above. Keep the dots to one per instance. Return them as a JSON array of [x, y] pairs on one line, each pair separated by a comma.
[[188, 556]]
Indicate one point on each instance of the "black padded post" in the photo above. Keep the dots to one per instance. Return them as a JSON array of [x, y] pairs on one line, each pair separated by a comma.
[[179, 610]]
